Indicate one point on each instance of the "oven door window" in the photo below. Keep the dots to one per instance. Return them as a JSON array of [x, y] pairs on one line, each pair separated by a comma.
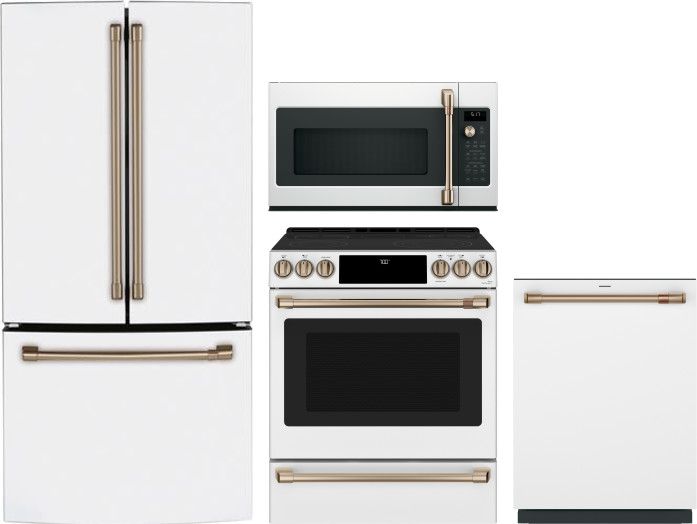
[[360, 147], [383, 372]]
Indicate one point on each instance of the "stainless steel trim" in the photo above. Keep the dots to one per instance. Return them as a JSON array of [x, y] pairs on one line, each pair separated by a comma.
[[116, 261], [138, 291], [288, 476], [34, 354], [661, 298], [448, 101], [464, 303]]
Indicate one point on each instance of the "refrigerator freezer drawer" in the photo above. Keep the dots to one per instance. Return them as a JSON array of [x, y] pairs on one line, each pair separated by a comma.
[[310, 492], [605, 395], [106, 428]]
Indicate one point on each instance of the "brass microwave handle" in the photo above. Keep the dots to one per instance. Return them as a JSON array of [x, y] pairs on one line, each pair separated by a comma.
[[448, 101], [138, 290], [464, 303], [660, 298], [288, 476], [116, 262], [34, 354]]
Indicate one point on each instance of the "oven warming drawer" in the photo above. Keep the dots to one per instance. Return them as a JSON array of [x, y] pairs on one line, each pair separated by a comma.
[[399, 492]]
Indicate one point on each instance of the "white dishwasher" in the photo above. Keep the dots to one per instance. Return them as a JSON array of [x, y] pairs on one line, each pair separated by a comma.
[[605, 400]]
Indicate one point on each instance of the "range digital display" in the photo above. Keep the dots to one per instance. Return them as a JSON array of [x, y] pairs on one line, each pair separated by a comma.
[[382, 269]]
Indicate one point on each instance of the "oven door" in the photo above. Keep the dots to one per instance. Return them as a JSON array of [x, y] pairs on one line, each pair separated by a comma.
[[382, 145], [389, 374]]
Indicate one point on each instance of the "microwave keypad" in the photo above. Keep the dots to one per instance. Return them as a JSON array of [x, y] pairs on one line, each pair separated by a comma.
[[473, 140]]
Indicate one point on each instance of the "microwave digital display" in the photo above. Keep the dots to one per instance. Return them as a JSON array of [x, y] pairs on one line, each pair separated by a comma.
[[385, 269], [474, 115]]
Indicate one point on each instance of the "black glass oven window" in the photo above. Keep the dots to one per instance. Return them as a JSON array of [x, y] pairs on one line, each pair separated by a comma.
[[383, 372], [402, 372], [360, 151]]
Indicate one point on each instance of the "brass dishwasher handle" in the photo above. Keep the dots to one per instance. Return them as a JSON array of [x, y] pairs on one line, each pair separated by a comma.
[[138, 290], [116, 263], [288, 476], [464, 303], [34, 354], [661, 298], [448, 101]]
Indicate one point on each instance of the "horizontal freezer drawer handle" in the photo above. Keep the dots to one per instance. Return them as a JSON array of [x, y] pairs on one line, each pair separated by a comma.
[[661, 298], [287, 476], [464, 303], [34, 354]]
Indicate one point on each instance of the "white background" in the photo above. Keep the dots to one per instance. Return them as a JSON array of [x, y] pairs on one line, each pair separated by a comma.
[[597, 141]]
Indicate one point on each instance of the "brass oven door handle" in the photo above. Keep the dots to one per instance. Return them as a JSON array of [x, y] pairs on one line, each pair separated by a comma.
[[660, 298], [116, 262], [288, 476], [463, 303], [448, 101], [138, 290], [34, 354]]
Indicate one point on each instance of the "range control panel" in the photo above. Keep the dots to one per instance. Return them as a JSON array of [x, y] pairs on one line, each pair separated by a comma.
[[474, 147], [405, 269]]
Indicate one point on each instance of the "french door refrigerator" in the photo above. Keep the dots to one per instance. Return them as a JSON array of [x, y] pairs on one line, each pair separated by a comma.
[[126, 172]]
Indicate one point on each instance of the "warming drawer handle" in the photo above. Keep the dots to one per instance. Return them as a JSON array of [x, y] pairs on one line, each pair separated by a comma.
[[660, 298], [464, 303], [448, 101], [34, 354], [138, 290], [116, 262], [288, 476]]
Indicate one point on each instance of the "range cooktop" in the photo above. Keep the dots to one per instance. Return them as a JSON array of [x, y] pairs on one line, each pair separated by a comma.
[[380, 239], [383, 257]]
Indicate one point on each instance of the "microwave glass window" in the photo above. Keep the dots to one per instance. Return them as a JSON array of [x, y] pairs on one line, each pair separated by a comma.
[[383, 372], [322, 151]]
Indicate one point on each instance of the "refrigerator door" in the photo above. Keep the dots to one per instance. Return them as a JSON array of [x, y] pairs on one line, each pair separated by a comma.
[[110, 441], [605, 395], [56, 163], [196, 163]]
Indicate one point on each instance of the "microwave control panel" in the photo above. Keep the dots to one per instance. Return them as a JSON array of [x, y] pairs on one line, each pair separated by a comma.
[[474, 146]]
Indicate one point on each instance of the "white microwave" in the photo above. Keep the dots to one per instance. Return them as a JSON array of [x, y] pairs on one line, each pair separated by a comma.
[[383, 146]]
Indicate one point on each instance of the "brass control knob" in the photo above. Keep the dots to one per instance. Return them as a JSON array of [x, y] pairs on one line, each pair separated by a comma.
[[440, 268], [303, 268], [470, 131], [461, 268], [282, 268], [482, 268], [325, 268]]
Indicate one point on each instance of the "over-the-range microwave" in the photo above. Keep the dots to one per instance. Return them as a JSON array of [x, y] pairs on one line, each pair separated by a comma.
[[383, 146]]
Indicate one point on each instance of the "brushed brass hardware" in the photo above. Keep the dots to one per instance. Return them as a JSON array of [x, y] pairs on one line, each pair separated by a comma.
[[116, 262], [288, 476], [138, 291], [303, 268], [464, 303], [661, 298], [34, 354], [470, 131], [325, 268], [440, 268], [482, 268], [461, 268], [282, 268], [448, 101]]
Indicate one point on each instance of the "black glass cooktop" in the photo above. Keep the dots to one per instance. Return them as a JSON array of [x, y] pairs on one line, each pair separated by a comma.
[[382, 239]]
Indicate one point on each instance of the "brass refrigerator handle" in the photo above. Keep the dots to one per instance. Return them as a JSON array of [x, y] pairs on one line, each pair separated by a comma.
[[34, 354], [660, 298], [288, 476], [138, 290], [464, 303], [116, 262], [448, 101]]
